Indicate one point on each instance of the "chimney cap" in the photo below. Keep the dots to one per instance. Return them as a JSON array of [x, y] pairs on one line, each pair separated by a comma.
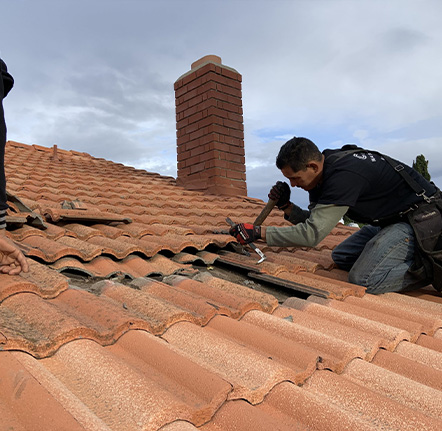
[[206, 59]]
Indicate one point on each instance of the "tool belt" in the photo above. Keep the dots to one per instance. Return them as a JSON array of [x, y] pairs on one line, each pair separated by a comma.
[[426, 221]]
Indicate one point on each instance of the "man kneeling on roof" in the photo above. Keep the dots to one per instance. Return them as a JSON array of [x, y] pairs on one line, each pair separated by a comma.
[[361, 184]]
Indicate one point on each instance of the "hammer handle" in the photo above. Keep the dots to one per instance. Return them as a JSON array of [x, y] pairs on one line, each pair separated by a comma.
[[265, 212]]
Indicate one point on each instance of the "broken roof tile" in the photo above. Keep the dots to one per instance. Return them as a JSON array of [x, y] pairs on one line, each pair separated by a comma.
[[85, 215]]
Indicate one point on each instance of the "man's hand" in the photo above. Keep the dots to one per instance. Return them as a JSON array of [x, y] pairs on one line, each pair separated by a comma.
[[280, 193], [246, 233], [12, 260]]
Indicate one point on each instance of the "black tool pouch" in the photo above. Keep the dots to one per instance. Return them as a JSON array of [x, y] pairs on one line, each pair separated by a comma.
[[426, 221]]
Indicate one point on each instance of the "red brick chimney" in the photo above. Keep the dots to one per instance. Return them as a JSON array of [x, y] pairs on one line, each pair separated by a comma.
[[210, 130]]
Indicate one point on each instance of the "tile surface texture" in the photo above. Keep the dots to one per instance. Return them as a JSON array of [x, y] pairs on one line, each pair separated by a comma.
[[124, 322]]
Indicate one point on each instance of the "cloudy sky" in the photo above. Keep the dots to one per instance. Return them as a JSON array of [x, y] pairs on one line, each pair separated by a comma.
[[97, 75]]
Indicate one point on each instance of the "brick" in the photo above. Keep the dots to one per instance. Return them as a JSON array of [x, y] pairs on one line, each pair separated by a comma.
[[212, 119], [223, 80], [236, 133], [181, 124], [192, 161], [183, 139], [235, 158], [213, 110], [234, 166], [184, 172], [229, 90], [210, 85], [181, 91], [233, 124], [230, 140], [231, 74], [212, 172], [230, 107], [197, 151], [191, 128], [178, 84], [236, 175], [207, 68], [235, 117], [194, 84], [196, 168], [189, 78]]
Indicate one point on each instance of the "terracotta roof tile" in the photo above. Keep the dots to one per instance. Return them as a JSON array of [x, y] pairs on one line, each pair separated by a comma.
[[24, 398], [367, 343], [221, 295], [115, 247], [193, 351], [230, 360], [40, 280], [430, 342], [56, 215], [429, 316], [413, 328], [389, 335], [421, 355], [335, 353], [408, 368], [155, 385], [157, 313], [81, 231], [396, 387], [372, 406]]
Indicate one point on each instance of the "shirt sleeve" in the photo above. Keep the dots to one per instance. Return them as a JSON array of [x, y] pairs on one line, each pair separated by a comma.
[[297, 215], [323, 218], [2, 219]]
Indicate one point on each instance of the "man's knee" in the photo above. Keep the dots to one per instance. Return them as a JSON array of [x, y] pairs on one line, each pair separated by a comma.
[[341, 259]]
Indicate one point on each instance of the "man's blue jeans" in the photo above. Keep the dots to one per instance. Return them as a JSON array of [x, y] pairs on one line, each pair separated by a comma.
[[379, 259]]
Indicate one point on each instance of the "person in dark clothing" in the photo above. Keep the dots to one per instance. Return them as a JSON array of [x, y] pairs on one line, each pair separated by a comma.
[[12, 260], [361, 184]]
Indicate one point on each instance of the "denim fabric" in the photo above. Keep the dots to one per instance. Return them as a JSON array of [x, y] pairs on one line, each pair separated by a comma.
[[379, 259]]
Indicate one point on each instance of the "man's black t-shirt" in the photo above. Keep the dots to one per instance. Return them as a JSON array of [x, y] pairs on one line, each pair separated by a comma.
[[368, 184]]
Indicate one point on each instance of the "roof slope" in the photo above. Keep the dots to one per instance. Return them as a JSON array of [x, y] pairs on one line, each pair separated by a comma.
[[154, 341]]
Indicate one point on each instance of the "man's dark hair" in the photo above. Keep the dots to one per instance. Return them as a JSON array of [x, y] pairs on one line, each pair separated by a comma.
[[296, 153]]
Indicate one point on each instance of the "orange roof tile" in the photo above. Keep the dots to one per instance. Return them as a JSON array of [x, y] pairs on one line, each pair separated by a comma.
[[120, 324]]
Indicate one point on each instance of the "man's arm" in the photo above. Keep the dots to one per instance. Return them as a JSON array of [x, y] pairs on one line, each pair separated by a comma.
[[322, 219]]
